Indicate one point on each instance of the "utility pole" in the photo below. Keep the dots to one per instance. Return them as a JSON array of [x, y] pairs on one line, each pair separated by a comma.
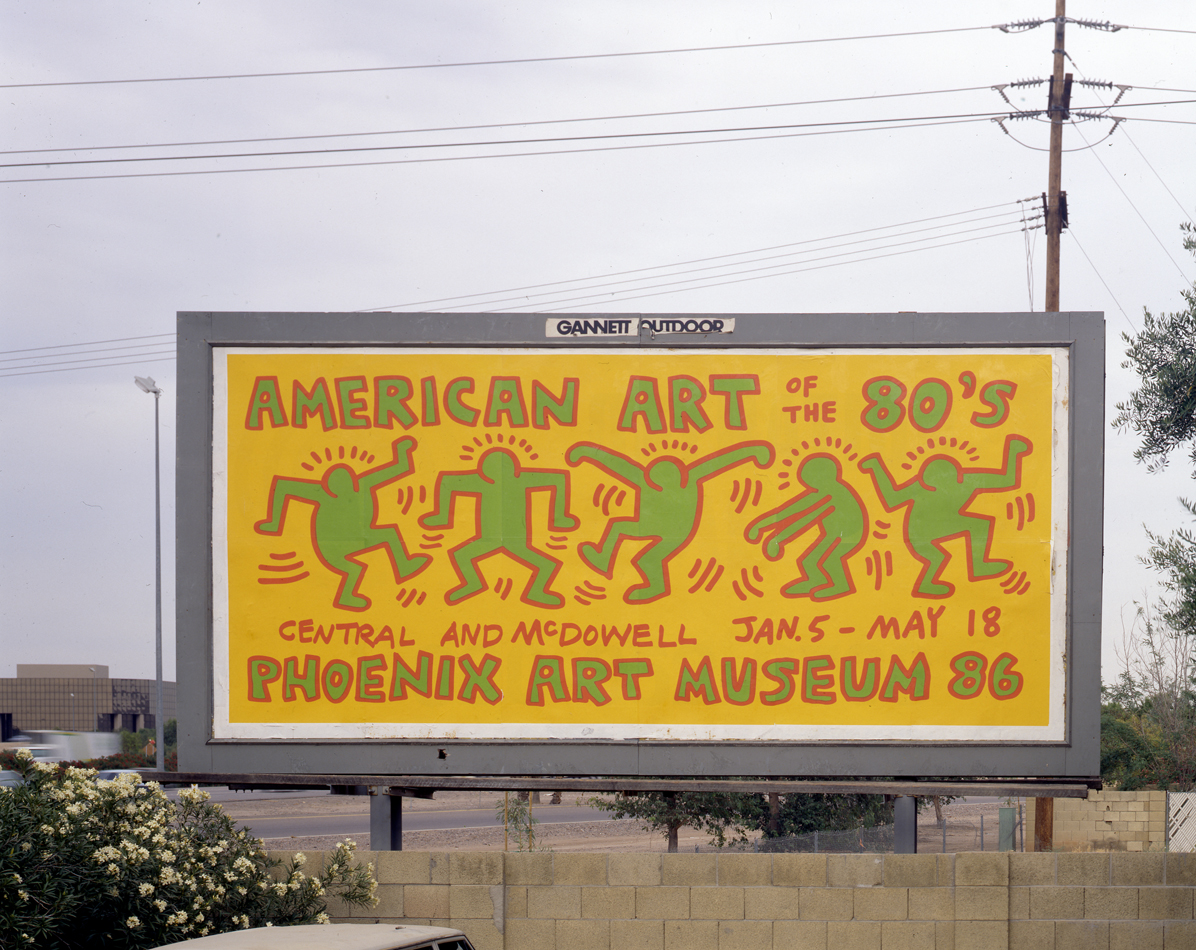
[[1058, 103]]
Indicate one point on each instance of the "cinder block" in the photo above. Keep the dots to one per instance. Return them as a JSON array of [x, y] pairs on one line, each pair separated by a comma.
[[796, 935], [1135, 870], [910, 870], [1081, 935], [633, 869], [579, 869], [693, 935], [770, 903], [1180, 869], [662, 903], [1136, 935], [745, 870], [853, 935], [687, 870], [944, 935], [1079, 869], [907, 935], [470, 900], [527, 867], [483, 936], [931, 903], [982, 903], [515, 902], [799, 870], [1019, 903], [554, 903], [583, 934], [945, 863], [1031, 934], [981, 935], [854, 870], [1179, 935], [403, 867], [720, 903], [636, 934], [1164, 903], [1111, 903], [476, 867], [1057, 903], [745, 935], [977, 867], [438, 867], [881, 903], [825, 903], [426, 900], [1135, 846], [608, 903], [531, 934]]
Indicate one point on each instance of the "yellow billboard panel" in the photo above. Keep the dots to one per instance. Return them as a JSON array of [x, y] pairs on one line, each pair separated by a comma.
[[793, 544]]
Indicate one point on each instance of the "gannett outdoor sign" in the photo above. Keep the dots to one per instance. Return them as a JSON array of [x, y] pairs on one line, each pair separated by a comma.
[[804, 539], [633, 326]]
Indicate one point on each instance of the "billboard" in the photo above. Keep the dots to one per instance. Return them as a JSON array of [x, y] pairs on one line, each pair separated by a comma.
[[590, 535]]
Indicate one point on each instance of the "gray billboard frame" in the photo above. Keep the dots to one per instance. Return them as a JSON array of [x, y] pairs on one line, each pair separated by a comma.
[[1077, 757]]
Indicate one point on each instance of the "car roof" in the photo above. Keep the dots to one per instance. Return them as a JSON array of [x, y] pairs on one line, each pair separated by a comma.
[[324, 937]]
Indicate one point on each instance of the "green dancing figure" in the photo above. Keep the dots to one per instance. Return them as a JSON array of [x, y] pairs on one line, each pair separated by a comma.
[[345, 521], [502, 492], [668, 509], [936, 501], [832, 505]]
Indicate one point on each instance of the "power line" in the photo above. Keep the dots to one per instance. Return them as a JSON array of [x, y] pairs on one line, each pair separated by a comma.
[[502, 125], [698, 260], [598, 286], [740, 280], [106, 349], [545, 140], [492, 62], [459, 158], [63, 346], [1102, 279], [1112, 178], [24, 371]]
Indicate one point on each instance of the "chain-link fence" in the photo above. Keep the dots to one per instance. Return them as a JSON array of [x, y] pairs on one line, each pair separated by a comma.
[[963, 828]]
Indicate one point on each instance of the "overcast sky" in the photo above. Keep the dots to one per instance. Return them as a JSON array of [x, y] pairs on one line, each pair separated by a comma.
[[114, 258]]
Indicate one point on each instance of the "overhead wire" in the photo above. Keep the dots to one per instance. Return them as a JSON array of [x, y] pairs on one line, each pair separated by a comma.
[[1102, 280], [498, 125], [63, 346], [739, 264], [458, 158], [700, 260], [64, 365], [493, 62], [798, 270], [544, 140]]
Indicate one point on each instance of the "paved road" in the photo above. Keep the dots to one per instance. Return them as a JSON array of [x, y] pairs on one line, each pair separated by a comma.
[[299, 826]]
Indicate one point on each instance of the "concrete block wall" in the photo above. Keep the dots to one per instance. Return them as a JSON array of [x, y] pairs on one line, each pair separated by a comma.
[[1108, 821], [967, 901]]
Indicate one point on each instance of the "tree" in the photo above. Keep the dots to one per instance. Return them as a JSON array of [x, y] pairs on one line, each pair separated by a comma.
[[1162, 412], [1148, 716], [718, 814]]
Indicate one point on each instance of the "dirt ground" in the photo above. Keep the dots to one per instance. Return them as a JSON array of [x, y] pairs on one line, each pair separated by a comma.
[[962, 820]]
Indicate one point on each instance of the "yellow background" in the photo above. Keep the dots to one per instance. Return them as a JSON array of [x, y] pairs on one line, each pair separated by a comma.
[[255, 611]]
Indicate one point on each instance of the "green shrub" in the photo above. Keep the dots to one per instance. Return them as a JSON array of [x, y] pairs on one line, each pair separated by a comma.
[[87, 863]]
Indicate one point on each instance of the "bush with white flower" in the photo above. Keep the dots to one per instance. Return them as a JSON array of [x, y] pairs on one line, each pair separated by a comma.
[[88, 863]]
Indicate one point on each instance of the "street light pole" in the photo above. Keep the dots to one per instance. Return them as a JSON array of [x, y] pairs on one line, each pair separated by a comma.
[[147, 385]]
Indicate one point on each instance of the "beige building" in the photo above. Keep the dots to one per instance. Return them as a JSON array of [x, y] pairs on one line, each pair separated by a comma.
[[79, 697]]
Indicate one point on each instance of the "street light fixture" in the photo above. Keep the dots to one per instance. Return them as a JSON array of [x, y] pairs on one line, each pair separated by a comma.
[[147, 385]]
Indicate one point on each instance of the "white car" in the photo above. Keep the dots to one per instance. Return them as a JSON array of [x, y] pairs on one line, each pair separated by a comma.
[[334, 937]]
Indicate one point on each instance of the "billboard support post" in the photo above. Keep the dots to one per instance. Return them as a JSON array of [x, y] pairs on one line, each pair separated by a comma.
[[386, 820], [905, 825]]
